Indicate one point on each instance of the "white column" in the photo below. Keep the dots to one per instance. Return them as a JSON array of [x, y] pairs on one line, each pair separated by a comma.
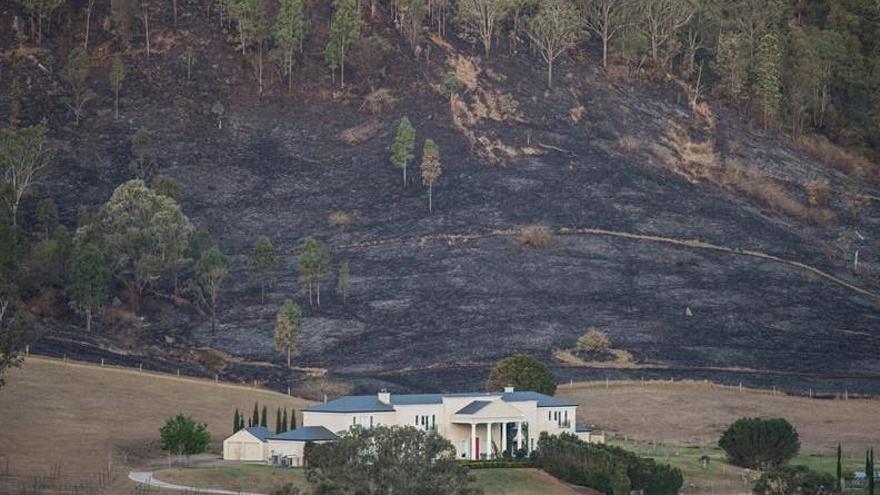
[[504, 436], [474, 452], [488, 440], [519, 435]]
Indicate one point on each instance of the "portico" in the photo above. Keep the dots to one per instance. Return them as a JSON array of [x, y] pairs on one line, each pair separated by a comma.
[[493, 417]]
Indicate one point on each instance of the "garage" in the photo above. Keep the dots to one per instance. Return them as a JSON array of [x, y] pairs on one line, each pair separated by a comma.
[[247, 445]]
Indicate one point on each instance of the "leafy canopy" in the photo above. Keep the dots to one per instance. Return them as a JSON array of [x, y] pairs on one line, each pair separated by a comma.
[[523, 373]]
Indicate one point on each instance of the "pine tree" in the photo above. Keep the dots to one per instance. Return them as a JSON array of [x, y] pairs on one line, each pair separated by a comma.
[[235, 421], [431, 169], [870, 472], [255, 420], [263, 418], [403, 149], [292, 419], [284, 421], [278, 420]]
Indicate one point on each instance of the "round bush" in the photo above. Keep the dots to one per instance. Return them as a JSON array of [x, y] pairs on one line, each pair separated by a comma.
[[759, 443]]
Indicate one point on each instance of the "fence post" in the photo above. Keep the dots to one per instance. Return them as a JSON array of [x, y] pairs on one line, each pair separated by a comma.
[[102, 362], [141, 367], [288, 390], [216, 378], [27, 350]]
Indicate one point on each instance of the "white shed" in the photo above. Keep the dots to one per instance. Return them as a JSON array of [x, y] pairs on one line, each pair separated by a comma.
[[248, 444]]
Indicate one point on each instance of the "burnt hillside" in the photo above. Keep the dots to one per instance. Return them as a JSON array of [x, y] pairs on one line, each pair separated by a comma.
[[687, 234]]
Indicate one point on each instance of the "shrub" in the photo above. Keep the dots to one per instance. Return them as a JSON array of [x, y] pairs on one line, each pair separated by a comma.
[[508, 104], [604, 468], [340, 219], [791, 480], [759, 443], [534, 236], [451, 84], [594, 341], [817, 193]]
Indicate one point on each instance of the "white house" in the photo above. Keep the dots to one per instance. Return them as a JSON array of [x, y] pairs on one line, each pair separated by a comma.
[[480, 425]]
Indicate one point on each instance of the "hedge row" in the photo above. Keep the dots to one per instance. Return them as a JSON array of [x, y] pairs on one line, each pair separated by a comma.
[[610, 470]]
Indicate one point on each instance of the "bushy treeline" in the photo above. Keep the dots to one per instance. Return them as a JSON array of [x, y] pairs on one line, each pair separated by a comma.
[[610, 470]]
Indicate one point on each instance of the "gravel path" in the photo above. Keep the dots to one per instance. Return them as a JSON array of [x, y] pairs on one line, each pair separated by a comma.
[[146, 478]]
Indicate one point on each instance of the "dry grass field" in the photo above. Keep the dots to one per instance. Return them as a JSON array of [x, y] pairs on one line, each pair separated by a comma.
[[77, 416], [695, 414]]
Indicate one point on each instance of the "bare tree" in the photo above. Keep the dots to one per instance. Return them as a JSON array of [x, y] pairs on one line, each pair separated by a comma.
[[24, 155], [90, 6], [555, 29], [607, 18], [662, 19], [482, 17]]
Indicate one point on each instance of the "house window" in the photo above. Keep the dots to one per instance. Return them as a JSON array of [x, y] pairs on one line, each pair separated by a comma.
[[371, 421], [353, 420], [549, 415]]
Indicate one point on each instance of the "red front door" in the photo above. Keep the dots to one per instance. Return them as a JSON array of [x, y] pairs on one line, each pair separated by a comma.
[[476, 455]]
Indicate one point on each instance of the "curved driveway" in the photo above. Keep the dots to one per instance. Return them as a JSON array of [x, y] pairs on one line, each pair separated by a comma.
[[146, 478]]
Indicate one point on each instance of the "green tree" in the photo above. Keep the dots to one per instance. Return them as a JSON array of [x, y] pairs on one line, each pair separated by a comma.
[[117, 75], [451, 84], [523, 373], [284, 420], [431, 169], [183, 436], [661, 21], [343, 282], [313, 264], [16, 329], [40, 13], [211, 269], [255, 420], [482, 17], [75, 75], [144, 235], [264, 417], [370, 460], [839, 468], [759, 443], [403, 148], [767, 86], [236, 422], [595, 341], [788, 480], [143, 162], [554, 30], [168, 187], [262, 264], [869, 470], [410, 17], [287, 329], [89, 276], [47, 216], [345, 28], [289, 33], [25, 155], [732, 63]]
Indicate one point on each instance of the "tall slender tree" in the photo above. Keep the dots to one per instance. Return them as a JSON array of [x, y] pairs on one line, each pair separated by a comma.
[[89, 278], [278, 420], [25, 155], [554, 30], [403, 148], [313, 264], [262, 263], [264, 417], [289, 32], [117, 75], [235, 422], [211, 269], [608, 18], [482, 18], [287, 329], [344, 281], [255, 419], [345, 29], [284, 420], [431, 169]]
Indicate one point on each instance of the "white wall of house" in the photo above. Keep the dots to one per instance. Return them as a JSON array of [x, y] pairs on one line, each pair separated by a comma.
[[337, 422], [292, 449]]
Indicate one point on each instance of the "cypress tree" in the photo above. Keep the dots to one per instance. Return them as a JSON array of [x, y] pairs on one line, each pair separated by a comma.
[[278, 424], [839, 468], [870, 472], [292, 418], [284, 420], [263, 418], [255, 420], [235, 427]]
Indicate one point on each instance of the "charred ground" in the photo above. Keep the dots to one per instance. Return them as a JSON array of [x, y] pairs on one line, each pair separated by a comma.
[[436, 298]]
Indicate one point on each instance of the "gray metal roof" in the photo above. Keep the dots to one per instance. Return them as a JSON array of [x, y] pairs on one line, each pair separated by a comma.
[[473, 407], [370, 403], [306, 434], [259, 431]]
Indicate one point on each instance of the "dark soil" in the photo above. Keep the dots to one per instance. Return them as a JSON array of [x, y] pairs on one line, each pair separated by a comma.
[[433, 315]]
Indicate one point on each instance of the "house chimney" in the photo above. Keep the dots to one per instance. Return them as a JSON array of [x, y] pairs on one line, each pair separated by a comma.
[[508, 389], [384, 396]]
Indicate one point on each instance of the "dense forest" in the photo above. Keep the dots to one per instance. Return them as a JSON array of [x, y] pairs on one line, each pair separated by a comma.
[[805, 70]]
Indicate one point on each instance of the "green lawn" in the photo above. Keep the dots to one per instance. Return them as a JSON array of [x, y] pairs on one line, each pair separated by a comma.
[[720, 477], [263, 479]]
